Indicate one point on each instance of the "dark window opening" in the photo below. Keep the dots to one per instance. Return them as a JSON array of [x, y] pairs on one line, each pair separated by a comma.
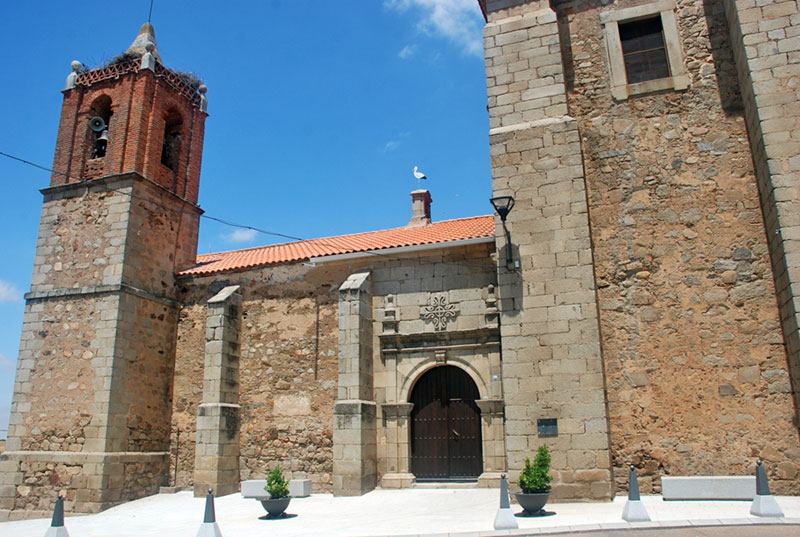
[[171, 146], [644, 50], [100, 117]]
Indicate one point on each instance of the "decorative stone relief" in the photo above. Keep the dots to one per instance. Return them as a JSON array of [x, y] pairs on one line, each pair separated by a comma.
[[492, 314], [439, 312], [390, 316]]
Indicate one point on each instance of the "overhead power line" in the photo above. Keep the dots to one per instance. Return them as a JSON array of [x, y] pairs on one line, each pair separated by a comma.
[[384, 255]]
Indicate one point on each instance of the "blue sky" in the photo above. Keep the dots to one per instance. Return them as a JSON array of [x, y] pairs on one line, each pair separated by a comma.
[[319, 110]]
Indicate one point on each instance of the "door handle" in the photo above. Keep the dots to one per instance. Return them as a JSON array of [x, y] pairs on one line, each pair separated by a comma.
[[456, 433]]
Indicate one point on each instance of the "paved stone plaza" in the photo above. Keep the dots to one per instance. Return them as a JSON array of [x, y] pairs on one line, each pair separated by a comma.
[[465, 512]]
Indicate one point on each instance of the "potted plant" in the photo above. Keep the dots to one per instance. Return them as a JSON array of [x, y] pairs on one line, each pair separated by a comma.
[[278, 489], [535, 483]]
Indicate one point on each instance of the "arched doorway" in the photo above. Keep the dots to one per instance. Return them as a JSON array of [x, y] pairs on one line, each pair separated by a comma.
[[445, 426]]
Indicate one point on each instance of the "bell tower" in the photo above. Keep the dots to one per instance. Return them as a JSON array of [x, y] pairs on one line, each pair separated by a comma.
[[90, 417]]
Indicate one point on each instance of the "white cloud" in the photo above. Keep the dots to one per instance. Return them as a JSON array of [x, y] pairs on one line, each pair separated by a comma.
[[9, 292], [391, 145], [460, 21], [242, 235], [407, 51]]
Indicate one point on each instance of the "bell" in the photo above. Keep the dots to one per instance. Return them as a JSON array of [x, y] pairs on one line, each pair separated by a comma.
[[103, 136]]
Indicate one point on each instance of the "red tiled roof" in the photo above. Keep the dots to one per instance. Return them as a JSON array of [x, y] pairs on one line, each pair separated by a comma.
[[439, 232]]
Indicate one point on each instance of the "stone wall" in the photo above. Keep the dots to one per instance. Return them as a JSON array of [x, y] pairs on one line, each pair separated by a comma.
[[766, 47], [94, 375], [64, 337], [696, 368], [287, 371], [551, 345], [89, 482], [81, 239], [289, 351], [146, 339], [409, 339]]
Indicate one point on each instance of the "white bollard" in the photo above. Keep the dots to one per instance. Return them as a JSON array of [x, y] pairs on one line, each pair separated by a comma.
[[57, 528], [764, 503], [209, 526], [634, 511], [505, 519]]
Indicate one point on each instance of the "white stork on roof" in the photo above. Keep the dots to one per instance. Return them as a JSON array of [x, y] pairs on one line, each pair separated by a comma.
[[419, 175]]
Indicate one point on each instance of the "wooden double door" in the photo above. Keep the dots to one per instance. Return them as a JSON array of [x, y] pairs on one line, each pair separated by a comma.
[[445, 427]]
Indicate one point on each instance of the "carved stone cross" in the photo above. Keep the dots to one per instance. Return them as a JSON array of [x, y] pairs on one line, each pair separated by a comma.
[[439, 312]]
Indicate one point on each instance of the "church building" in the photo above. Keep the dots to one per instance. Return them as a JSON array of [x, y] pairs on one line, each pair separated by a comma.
[[635, 299]]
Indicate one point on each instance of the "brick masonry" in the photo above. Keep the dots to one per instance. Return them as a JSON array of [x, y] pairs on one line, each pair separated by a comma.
[[138, 105]]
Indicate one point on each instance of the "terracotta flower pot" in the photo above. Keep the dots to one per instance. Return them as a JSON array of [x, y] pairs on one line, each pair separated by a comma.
[[532, 504], [277, 506]]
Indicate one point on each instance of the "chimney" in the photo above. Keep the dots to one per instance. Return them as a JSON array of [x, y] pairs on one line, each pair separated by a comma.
[[420, 208]]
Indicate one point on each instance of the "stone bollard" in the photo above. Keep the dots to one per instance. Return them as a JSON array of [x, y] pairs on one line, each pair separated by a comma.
[[764, 503], [505, 519], [635, 510], [57, 528], [209, 526]]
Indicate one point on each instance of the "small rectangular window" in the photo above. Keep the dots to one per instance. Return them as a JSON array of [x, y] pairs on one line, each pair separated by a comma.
[[643, 50]]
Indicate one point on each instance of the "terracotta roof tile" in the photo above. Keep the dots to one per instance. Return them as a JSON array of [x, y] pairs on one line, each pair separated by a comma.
[[439, 232]]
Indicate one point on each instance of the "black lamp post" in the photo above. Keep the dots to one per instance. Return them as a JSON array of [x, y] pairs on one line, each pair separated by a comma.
[[503, 206]]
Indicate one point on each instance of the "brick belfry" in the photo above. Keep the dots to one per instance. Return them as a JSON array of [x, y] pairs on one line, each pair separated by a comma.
[[98, 340]]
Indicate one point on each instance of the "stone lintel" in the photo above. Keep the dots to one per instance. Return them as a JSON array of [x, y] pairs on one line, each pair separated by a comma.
[[208, 409], [396, 410], [89, 290], [82, 457], [434, 341], [112, 183], [491, 407], [224, 294], [354, 406], [356, 282], [539, 124]]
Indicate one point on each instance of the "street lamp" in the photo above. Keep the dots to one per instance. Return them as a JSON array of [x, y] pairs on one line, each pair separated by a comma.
[[503, 205]]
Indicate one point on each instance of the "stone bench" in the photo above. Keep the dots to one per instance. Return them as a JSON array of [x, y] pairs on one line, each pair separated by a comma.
[[299, 488], [717, 487], [254, 488]]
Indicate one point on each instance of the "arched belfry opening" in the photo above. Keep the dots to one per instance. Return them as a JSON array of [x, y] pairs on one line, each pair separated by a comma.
[[446, 442], [171, 145], [98, 127]]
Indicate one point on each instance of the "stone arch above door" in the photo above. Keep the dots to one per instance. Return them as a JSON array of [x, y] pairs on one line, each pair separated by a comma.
[[425, 366]]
